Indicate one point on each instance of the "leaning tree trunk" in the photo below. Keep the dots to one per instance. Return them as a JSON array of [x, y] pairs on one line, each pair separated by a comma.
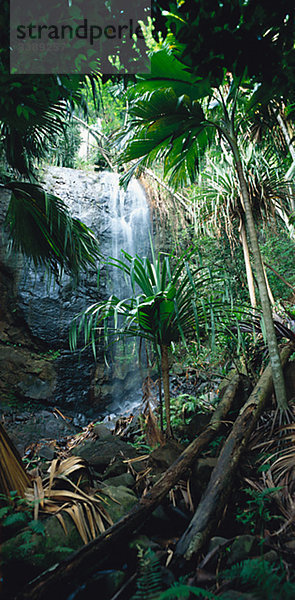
[[274, 356], [165, 377], [214, 499], [249, 272], [270, 294]]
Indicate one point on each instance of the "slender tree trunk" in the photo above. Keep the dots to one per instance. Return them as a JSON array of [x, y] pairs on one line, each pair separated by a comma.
[[249, 272], [165, 376], [291, 150], [274, 356], [270, 294]]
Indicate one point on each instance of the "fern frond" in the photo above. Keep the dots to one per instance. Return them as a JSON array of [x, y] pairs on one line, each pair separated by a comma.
[[149, 583], [263, 578], [183, 591]]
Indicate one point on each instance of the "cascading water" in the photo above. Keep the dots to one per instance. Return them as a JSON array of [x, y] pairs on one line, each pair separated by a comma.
[[121, 221], [128, 223]]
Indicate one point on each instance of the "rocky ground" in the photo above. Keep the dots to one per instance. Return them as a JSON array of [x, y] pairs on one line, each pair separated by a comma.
[[122, 473]]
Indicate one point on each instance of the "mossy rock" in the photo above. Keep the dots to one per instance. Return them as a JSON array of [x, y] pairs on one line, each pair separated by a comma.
[[29, 553], [123, 500]]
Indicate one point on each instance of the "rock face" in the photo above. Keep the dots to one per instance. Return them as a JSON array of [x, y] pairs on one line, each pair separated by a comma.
[[35, 314]]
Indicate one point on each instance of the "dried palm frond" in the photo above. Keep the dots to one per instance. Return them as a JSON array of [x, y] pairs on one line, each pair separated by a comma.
[[85, 509], [276, 463], [13, 476]]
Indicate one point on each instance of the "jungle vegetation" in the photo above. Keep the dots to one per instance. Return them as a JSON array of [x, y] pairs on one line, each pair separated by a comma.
[[212, 127]]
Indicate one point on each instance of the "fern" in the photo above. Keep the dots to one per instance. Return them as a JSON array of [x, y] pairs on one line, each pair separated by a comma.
[[183, 591], [16, 519], [4, 511], [149, 581], [265, 579], [37, 527]]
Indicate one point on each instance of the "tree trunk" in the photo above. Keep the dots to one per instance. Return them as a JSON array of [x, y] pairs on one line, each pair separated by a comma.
[[249, 272], [270, 294], [214, 499], [292, 152], [165, 376], [83, 563], [274, 356]]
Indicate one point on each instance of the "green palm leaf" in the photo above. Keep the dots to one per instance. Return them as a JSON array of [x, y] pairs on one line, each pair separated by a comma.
[[41, 227]]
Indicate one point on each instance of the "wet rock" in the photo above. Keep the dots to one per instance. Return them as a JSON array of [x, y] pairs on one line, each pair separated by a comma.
[[46, 452], [119, 467], [125, 479], [30, 553], [270, 556], [161, 458], [99, 453], [45, 309], [197, 423], [123, 500], [27, 373], [143, 541], [42, 425], [216, 546], [102, 432], [216, 542], [241, 548], [290, 545]]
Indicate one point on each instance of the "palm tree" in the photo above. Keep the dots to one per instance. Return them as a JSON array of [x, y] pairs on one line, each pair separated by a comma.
[[218, 203], [170, 123], [168, 305]]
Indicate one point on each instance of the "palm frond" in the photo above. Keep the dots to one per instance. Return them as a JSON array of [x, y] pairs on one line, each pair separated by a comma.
[[165, 127], [57, 494], [41, 227], [168, 303], [33, 109], [13, 476]]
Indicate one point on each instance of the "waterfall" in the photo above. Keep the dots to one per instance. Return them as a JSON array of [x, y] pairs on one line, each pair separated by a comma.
[[121, 221], [128, 222]]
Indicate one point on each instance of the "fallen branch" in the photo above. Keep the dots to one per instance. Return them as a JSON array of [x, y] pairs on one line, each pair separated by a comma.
[[66, 575], [211, 506]]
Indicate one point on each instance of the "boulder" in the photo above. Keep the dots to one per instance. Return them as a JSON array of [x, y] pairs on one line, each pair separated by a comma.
[[125, 479], [241, 549], [119, 500], [33, 428], [30, 553], [99, 453], [161, 458], [102, 432]]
